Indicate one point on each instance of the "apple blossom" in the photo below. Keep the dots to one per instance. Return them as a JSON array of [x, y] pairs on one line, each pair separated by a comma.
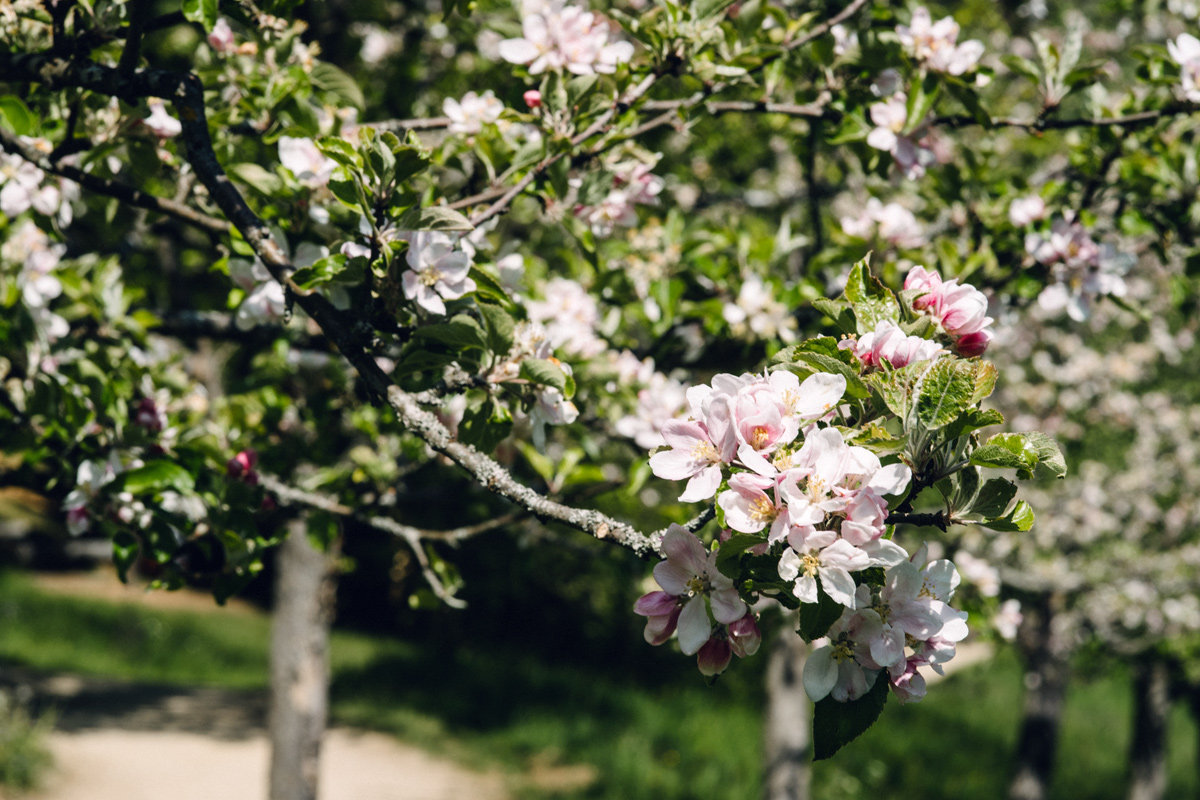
[[1186, 53], [935, 43], [689, 574], [438, 270], [472, 112], [888, 343], [301, 156], [160, 123], [558, 36]]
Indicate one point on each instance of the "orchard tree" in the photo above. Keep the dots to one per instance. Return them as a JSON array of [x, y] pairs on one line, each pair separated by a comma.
[[261, 260]]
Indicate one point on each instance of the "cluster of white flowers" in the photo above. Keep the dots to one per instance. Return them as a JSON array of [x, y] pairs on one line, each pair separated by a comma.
[[472, 112], [570, 315], [757, 310], [558, 36], [819, 505], [935, 44], [23, 186], [1082, 269], [894, 224]]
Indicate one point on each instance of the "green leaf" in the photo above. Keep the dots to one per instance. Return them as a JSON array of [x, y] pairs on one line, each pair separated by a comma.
[[346, 191], [1022, 452], [1019, 519], [433, 218], [837, 724], [872, 302], [202, 11], [993, 499], [461, 333], [486, 284], [485, 427], [155, 476], [816, 618], [17, 117], [340, 151], [730, 553], [545, 373], [839, 311], [921, 101], [819, 362], [703, 9], [929, 394], [327, 77], [500, 326], [972, 420], [256, 177], [320, 271]]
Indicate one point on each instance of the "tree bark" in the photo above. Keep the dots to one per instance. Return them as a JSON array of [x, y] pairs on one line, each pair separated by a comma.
[[304, 600], [1148, 750], [788, 724], [1045, 644]]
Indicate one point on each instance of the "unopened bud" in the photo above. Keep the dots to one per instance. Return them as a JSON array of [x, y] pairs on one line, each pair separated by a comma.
[[533, 98]]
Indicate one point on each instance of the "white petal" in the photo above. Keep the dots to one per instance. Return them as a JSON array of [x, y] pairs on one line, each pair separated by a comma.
[[694, 627]]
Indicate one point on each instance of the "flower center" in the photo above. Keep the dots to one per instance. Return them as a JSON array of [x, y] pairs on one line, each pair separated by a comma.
[[809, 563], [761, 438], [762, 510], [697, 585], [706, 451], [431, 276]]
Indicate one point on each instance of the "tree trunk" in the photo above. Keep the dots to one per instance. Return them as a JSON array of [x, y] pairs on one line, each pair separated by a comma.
[[304, 597], [1148, 750], [788, 723], [1045, 644]]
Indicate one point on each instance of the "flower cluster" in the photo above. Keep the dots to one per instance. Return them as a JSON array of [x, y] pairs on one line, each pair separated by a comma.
[[893, 223], [889, 343], [934, 44], [816, 506], [1186, 52], [558, 36], [913, 152], [688, 577], [1081, 269], [905, 624], [958, 309], [472, 112], [633, 185]]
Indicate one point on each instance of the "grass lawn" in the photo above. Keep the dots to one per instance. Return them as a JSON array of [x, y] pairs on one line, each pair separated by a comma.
[[645, 736]]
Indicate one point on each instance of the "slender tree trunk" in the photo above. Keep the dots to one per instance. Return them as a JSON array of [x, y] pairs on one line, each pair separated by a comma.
[[788, 724], [1148, 750], [1192, 692], [304, 596], [1045, 644]]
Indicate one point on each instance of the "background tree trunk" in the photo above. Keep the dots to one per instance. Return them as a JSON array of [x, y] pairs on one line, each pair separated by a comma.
[[303, 613], [788, 724], [1045, 643], [1148, 750]]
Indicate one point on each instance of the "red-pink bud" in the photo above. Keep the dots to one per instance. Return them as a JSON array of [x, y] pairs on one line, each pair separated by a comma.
[[744, 636], [973, 344], [714, 657], [533, 98]]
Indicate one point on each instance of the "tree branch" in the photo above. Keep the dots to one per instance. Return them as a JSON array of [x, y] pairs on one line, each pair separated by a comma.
[[110, 188], [1042, 124], [186, 93], [426, 124]]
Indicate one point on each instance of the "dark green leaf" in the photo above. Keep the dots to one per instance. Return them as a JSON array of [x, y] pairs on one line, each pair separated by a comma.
[[202, 11], [544, 372], [703, 9], [155, 476], [500, 326], [320, 271], [327, 77], [433, 218], [461, 332], [730, 552], [816, 618], [1019, 519], [17, 117], [872, 302], [837, 724]]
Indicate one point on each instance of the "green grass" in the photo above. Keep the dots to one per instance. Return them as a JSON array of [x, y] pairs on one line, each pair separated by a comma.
[[666, 737]]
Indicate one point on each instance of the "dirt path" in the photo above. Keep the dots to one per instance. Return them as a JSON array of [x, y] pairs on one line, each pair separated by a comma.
[[120, 741], [114, 764]]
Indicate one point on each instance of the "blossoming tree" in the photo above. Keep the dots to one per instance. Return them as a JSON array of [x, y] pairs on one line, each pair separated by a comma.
[[581, 260]]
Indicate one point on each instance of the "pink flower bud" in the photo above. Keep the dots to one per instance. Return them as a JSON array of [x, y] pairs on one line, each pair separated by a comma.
[[714, 657], [744, 636], [533, 98], [973, 344], [242, 466]]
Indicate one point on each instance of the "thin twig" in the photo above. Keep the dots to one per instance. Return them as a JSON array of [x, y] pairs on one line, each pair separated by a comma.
[[110, 188], [426, 124]]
